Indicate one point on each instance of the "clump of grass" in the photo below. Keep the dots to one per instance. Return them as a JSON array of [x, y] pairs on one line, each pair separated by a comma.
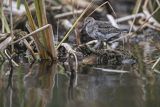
[[44, 42]]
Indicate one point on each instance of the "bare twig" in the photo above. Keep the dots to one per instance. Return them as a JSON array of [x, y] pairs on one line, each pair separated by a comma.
[[29, 48], [5, 43], [101, 6], [154, 65], [32, 33], [56, 8], [150, 25], [148, 15], [137, 9], [157, 71], [130, 17], [150, 18], [5, 51], [158, 2], [112, 20], [62, 15], [91, 42], [111, 70], [71, 51], [122, 37]]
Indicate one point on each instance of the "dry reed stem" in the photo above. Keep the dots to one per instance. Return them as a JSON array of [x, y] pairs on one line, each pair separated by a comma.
[[101, 6], [41, 19], [5, 25], [11, 23], [32, 25], [47, 39], [51, 44]]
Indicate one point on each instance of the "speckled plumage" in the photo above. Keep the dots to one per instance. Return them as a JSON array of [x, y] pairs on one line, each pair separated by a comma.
[[101, 30], [107, 56]]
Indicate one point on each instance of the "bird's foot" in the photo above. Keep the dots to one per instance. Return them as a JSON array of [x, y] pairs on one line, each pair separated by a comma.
[[98, 45]]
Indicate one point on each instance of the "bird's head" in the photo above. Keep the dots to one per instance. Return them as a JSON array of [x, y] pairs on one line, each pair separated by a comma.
[[89, 21]]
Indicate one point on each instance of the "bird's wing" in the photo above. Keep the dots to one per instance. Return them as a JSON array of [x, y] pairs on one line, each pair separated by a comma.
[[106, 34], [114, 30], [106, 27], [103, 24], [110, 29]]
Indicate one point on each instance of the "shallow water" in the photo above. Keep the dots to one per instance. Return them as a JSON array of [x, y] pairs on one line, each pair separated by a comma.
[[43, 86]]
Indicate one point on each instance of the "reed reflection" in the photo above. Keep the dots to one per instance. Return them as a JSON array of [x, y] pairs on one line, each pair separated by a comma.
[[39, 84]]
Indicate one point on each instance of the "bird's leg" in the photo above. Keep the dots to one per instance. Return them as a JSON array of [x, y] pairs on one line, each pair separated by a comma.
[[114, 45], [98, 45]]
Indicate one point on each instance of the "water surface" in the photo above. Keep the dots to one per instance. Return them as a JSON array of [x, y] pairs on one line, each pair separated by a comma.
[[44, 86]]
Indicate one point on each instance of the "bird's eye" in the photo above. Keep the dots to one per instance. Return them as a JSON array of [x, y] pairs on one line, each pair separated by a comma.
[[89, 21]]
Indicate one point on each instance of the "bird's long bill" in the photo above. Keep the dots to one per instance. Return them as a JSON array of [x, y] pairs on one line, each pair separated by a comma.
[[84, 25]]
